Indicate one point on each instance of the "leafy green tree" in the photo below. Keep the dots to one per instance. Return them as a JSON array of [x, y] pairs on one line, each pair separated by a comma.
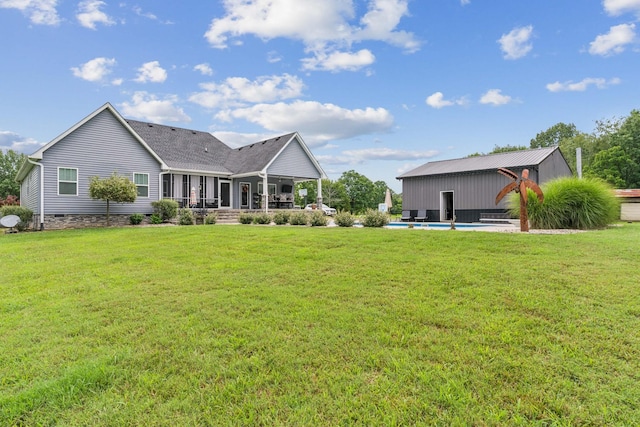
[[396, 201], [116, 188], [614, 166], [617, 148], [554, 135], [507, 148], [334, 194], [379, 193], [500, 149], [360, 190], [312, 192], [10, 162]]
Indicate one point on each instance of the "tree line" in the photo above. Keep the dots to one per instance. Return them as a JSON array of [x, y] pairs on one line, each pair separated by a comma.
[[351, 192], [611, 152]]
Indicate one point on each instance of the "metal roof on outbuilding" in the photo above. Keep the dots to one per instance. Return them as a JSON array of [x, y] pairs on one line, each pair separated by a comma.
[[511, 159]]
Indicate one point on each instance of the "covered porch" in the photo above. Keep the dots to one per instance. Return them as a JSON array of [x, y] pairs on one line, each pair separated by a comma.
[[201, 191]]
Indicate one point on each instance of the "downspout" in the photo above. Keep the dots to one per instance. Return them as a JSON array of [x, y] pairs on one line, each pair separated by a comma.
[[41, 191]]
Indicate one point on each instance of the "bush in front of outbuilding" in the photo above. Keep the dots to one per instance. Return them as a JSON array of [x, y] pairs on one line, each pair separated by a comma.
[[374, 218], [572, 203]]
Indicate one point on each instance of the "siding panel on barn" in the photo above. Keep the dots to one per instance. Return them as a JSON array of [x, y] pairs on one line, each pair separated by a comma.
[[99, 147]]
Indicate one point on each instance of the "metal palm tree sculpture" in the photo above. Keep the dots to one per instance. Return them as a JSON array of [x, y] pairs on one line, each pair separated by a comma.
[[520, 185]]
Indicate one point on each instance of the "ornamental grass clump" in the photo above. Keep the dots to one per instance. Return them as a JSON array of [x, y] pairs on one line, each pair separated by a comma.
[[571, 203], [344, 219], [373, 218]]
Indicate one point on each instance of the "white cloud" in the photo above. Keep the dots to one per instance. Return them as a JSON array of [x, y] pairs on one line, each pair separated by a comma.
[[273, 57], [205, 69], [618, 7], [581, 86], [319, 123], [151, 72], [516, 43], [389, 154], [614, 41], [95, 70], [20, 144], [238, 91], [40, 12], [323, 27], [89, 14], [138, 11], [146, 106], [350, 157], [495, 97], [465, 2], [436, 100], [338, 61], [380, 23]]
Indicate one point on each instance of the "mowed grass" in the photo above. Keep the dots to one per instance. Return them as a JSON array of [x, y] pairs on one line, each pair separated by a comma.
[[259, 325]]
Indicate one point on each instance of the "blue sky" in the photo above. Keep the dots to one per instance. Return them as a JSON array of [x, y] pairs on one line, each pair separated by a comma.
[[378, 86]]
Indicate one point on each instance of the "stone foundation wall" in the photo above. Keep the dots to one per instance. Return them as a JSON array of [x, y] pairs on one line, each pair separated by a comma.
[[60, 222]]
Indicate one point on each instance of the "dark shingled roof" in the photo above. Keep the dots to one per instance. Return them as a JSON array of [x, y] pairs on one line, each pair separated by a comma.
[[185, 149], [511, 159], [254, 157]]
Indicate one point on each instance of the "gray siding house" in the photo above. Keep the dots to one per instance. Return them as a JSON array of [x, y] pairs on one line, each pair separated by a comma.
[[467, 187], [194, 168]]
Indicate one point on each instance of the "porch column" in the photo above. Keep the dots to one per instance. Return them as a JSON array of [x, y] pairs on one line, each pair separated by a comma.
[[265, 194], [319, 201]]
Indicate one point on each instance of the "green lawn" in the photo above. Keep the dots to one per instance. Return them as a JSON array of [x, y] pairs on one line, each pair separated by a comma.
[[257, 325]]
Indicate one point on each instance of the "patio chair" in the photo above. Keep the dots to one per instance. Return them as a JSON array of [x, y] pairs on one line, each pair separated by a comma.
[[406, 216], [422, 216]]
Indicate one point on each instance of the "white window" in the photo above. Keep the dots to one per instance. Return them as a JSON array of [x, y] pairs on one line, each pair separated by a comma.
[[271, 188], [142, 184], [68, 181]]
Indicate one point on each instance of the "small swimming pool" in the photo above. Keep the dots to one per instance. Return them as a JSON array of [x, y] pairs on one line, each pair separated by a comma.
[[438, 225]]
